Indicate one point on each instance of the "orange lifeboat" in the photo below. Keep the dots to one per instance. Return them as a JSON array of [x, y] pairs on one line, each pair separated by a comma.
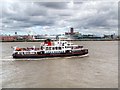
[[18, 49]]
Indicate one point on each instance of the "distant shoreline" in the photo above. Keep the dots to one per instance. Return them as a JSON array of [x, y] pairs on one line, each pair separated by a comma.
[[55, 40]]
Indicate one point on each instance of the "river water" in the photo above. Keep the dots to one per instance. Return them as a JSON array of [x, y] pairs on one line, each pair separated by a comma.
[[98, 70]]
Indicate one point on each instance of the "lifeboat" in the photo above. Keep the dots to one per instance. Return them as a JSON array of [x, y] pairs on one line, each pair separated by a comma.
[[50, 49]]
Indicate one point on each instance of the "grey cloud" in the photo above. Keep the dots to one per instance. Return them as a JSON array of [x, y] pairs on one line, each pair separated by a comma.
[[35, 10], [43, 22], [19, 16], [54, 5], [24, 18], [98, 17]]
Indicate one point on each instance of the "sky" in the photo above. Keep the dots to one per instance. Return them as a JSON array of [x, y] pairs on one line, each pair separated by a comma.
[[87, 17]]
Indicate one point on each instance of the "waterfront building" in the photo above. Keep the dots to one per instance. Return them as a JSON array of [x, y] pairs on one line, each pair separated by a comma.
[[52, 37], [7, 38]]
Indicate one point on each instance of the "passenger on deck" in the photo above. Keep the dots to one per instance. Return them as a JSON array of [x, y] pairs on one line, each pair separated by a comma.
[[47, 42]]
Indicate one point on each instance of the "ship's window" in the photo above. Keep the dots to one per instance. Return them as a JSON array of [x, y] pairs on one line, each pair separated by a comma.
[[38, 52], [53, 48], [56, 48], [46, 48], [60, 48]]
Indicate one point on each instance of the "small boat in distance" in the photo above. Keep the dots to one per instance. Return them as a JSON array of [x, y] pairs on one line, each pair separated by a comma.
[[50, 49]]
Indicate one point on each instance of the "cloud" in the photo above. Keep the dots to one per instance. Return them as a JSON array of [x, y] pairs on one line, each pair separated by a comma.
[[95, 15], [54, 5], [88, 16]]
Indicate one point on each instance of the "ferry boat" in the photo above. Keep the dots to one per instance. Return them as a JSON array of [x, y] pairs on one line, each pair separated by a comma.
[[50, 49]]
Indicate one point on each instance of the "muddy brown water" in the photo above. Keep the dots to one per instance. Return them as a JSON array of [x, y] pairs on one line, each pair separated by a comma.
[[98, 70]]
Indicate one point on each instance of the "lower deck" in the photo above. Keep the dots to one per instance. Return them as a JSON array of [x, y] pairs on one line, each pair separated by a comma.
[[44, 55]]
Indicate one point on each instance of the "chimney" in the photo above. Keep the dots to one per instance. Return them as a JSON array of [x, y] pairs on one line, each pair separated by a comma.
[[71, 30]]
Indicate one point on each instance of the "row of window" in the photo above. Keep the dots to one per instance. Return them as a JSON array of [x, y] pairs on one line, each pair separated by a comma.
[[53, 48], [38, 52], [54, 52], [26, 52]]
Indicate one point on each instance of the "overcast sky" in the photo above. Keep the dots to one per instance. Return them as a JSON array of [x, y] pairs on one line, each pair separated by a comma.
[[86, 17]]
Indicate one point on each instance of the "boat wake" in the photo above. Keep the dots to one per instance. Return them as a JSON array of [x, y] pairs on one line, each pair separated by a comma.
[[86, 55]]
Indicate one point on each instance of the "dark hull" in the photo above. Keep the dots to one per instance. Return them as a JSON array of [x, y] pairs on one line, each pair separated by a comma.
[[76, 53]]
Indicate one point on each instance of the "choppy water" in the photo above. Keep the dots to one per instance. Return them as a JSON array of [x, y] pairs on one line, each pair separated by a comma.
[[99, 69]]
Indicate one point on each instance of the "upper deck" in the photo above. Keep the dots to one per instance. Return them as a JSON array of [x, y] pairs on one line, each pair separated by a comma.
[[51, 47]]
